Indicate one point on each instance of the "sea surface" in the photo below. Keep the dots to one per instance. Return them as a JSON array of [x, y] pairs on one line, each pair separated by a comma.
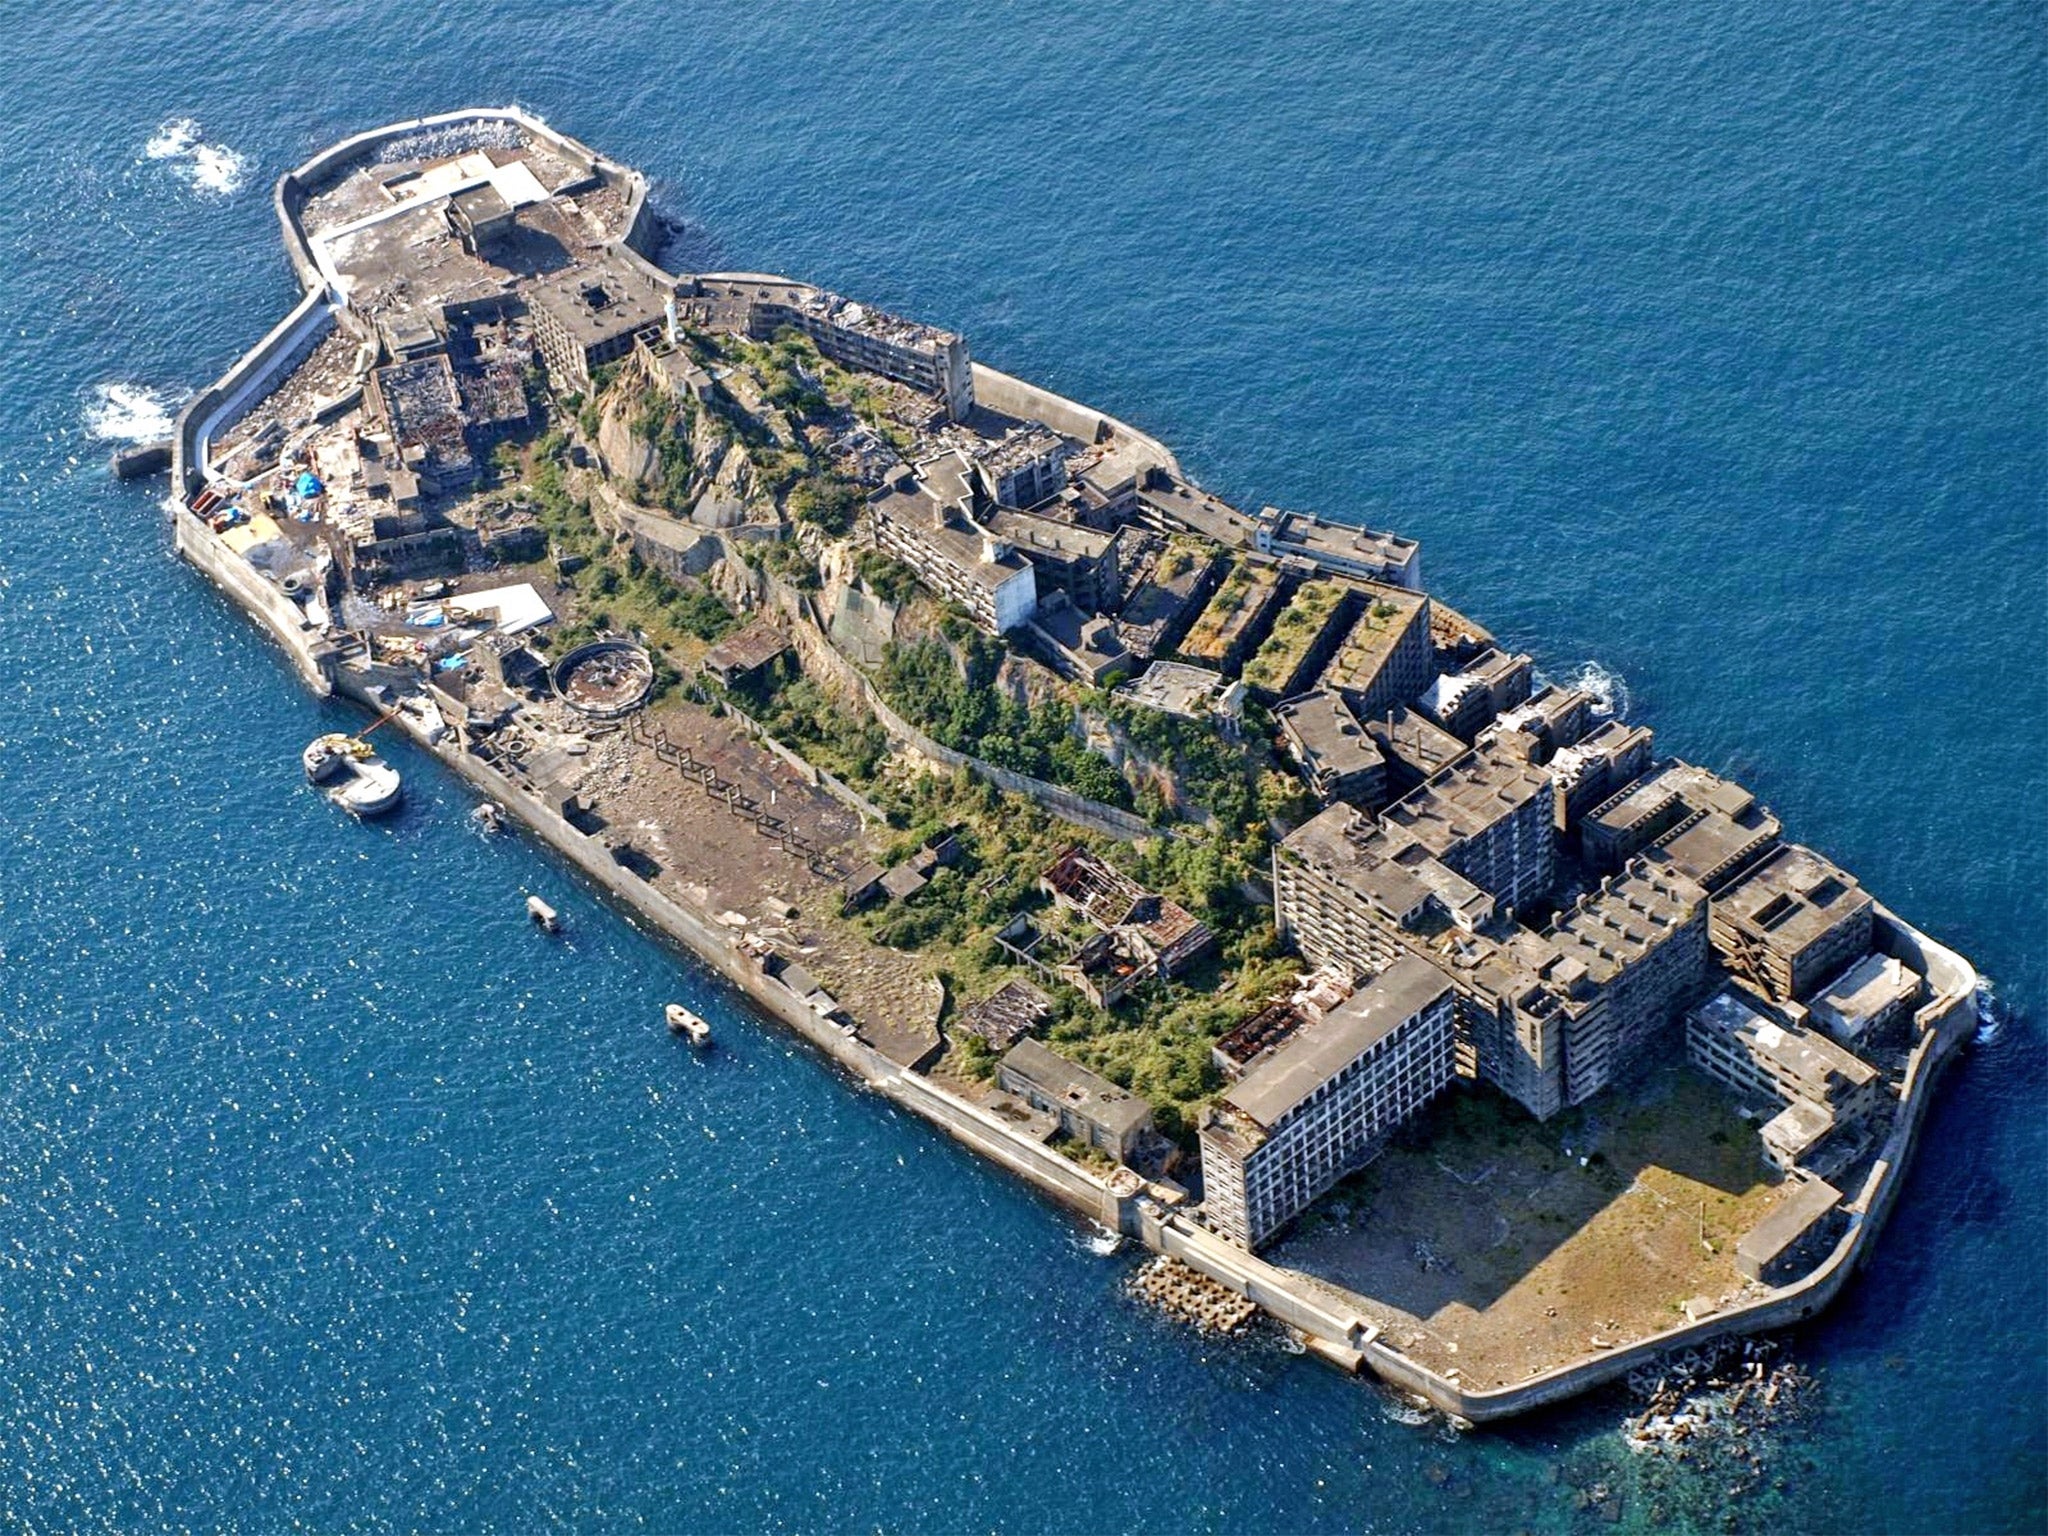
[[1701, 344]]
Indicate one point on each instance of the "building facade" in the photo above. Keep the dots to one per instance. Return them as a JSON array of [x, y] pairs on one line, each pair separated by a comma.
[[1321, 1106], [1487, 816]]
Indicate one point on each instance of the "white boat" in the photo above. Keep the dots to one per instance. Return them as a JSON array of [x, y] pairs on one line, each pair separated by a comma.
[[544, 916], [683, 1022], [489, 816], [350, 774]]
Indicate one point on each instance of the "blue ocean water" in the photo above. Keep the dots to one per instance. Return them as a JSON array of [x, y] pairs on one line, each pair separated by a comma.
[[1701, 342]]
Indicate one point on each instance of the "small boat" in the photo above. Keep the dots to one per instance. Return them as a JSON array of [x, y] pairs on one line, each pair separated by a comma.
[[545, 918], [352, 776], [490, 816], [687, 1024]]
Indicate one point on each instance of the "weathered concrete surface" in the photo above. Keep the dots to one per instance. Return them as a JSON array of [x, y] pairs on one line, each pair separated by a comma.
[[1336, 1331]]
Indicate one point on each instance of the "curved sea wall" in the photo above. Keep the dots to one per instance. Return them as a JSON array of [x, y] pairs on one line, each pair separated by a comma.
[[1946, 1022], [1336, 1329]]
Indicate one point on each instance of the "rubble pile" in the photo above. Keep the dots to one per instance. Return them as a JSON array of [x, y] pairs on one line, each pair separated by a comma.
[[1716, 1402]]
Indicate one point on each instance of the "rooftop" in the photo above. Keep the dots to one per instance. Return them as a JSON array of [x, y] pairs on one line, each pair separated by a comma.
[[1325, 734], [1866, 989], [1372, 639], [1097, 1098], [1175, 688], [1808, 1056], [598, 301], [1791, 899], [1464, 800], [1611, 928], [1233, 608], [1304, 621], [1287, 1078]]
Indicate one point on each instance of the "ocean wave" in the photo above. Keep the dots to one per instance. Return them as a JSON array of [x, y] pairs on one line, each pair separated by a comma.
[[132, 413], [206, 167], [1990, 1011], [1607, 688]]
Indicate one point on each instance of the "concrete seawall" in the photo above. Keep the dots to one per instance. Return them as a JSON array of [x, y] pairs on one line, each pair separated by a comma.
[[1341, 1332]]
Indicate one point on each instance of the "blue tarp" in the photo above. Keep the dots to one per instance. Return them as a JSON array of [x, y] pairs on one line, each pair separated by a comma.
[[309, 483]]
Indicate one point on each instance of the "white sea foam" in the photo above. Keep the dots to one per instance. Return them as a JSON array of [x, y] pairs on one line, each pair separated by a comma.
[[1101, 1242], [218, 169], [173, 140], [1990, 1011], [131, 413], [213, 169], [1608, 689]]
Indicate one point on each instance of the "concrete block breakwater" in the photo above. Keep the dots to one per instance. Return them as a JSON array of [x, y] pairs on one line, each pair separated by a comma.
[[1334, 1329]]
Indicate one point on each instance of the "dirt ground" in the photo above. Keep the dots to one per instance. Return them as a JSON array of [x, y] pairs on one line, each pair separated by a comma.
[[717, 863], [1493, 1252]]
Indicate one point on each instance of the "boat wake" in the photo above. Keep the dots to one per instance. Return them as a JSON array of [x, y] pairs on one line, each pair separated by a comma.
[[132, 413], [213, 169]]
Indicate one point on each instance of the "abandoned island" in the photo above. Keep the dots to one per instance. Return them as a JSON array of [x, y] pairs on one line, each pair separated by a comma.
[[1192, 863]]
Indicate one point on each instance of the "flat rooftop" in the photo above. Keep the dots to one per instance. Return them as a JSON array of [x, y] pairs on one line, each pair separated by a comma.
[[1473, 794], [1388, 613], [1791, 899], [1292, 1074]]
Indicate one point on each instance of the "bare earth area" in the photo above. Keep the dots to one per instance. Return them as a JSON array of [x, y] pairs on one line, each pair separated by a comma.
[[697, 850], [1491, 1252]]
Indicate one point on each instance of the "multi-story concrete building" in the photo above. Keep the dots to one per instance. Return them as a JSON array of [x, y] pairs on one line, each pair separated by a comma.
[[1321, 1106], [1587, 773], [1339, 548], [1387, 658], [1488, 816], [1466, 701], [1517, 998], [1349, 896], [1336, 757], [1791, 923], [1710, 828], [585, 317], [1081, 562], [923, 515], [1552, 717], [1416, 749], [1821, 1085], [860, 336], [1026, 465], [1870, 1002], [1236, 618], [1641, 940]]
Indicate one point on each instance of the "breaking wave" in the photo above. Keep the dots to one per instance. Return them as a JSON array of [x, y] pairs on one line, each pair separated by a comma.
[[1990, 1011], [1608, 690], [132, 413], [211, 168]]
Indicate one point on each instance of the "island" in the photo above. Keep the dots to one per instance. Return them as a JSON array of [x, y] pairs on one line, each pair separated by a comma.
[[1192, 863]]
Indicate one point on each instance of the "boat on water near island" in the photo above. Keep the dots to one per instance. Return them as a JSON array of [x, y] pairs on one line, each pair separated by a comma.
[[351, 774], [1504, 901], [687, 1024]]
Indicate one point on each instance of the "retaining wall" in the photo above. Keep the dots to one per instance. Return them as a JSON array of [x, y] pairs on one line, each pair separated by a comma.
[[1013, 396], [266, 603], [1109, 820]]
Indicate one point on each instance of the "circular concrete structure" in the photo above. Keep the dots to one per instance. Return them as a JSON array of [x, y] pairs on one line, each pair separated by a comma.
[[604, 679]]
